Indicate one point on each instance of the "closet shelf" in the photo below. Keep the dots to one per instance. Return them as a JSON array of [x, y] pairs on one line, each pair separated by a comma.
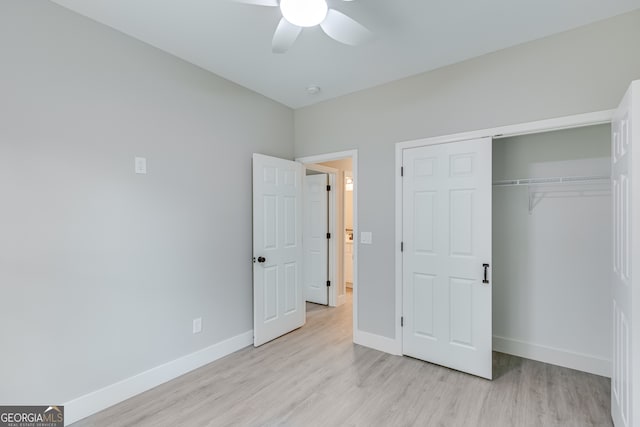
[[536, 194], [597, 179]]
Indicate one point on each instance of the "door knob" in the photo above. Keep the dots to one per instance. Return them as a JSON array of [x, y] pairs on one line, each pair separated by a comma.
[[486, 279], [261, 259]]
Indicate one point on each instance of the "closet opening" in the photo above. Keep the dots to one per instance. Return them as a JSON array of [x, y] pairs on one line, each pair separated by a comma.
[[552, 246]]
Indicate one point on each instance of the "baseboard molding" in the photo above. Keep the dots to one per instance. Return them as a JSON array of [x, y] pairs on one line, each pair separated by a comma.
[[554, 356], [103, 398], [377, 342]]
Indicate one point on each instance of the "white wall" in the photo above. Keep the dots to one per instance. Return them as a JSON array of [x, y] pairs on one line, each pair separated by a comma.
[[583, 70], [552, 266], [348, 208], [103, 270]]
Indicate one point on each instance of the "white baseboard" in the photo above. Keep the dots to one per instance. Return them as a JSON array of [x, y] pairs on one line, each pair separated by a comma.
[[554, 356], [377, 342], [103, 398]]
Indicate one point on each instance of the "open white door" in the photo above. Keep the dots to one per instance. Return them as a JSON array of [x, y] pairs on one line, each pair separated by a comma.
[[316, 242], [625, 158], [446, 227], [278, 300]]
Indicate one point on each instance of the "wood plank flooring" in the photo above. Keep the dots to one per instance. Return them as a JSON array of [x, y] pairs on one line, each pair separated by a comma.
[[316, 376]]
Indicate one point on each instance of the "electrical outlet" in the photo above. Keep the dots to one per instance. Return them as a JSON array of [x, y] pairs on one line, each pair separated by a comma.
[[197, 325]]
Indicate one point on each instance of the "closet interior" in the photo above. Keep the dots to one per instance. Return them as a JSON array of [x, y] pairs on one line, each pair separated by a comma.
[[552, 246]]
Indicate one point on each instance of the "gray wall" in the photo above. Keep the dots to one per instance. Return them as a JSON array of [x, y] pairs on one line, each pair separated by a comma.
[[583, 70], [103, 270], [552, 266]]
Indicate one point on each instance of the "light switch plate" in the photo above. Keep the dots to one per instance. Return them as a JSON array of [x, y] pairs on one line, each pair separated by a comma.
[[366, 238], [141, 165], [197, 325]]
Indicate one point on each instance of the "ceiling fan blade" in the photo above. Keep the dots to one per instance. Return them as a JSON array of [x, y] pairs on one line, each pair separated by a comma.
[[284, 37], [341, 28], [272, 3]]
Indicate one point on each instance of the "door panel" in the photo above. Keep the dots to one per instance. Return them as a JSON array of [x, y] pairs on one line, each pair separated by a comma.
[[277, 248], [460, 311], [316, 245], [461, 211], [447, 239], [625, 159], [424, 221], [291, 286], [423, 305]]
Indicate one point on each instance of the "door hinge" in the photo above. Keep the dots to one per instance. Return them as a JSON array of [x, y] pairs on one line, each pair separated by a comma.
[[328, 283], [328, 188], [402, 321], [401, 170], [328, 235], [401, 246]]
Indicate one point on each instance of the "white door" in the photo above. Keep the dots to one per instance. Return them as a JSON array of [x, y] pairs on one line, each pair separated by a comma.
[[625, 158], [316, 243], [278, 300], [446, 255]]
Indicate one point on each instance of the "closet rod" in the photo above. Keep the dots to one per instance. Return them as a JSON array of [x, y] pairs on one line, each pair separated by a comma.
[[552, 180]]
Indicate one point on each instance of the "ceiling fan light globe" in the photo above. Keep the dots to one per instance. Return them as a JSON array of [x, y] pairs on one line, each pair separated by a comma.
[[304, 13]]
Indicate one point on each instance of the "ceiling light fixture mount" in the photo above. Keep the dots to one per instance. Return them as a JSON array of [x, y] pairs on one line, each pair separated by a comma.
[[304, 13], [313, 89]]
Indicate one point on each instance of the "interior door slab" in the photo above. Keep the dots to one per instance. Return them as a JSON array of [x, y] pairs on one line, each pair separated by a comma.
[[315, 241], [278, 300], [447, 254], [625, 177]]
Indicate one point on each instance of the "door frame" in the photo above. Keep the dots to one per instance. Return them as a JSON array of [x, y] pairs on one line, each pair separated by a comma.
[[307, 161], [567, 122], [332, 255]]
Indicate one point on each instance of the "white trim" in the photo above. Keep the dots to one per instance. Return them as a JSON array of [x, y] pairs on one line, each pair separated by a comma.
[[398, 257], [333, 250], [320, 168], [353, 154], [568, 122], [555, 356], [376, 342], [110, 395], [327, 157], [341, 194], [579, 120]]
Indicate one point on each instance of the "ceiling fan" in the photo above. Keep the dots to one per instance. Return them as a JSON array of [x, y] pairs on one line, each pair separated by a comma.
[[299, 14]]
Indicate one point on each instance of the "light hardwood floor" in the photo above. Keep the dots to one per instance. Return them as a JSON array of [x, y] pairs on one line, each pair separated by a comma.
[[316, 376]]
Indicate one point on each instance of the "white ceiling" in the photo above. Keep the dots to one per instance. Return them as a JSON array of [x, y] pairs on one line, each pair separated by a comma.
[[410, 36]]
